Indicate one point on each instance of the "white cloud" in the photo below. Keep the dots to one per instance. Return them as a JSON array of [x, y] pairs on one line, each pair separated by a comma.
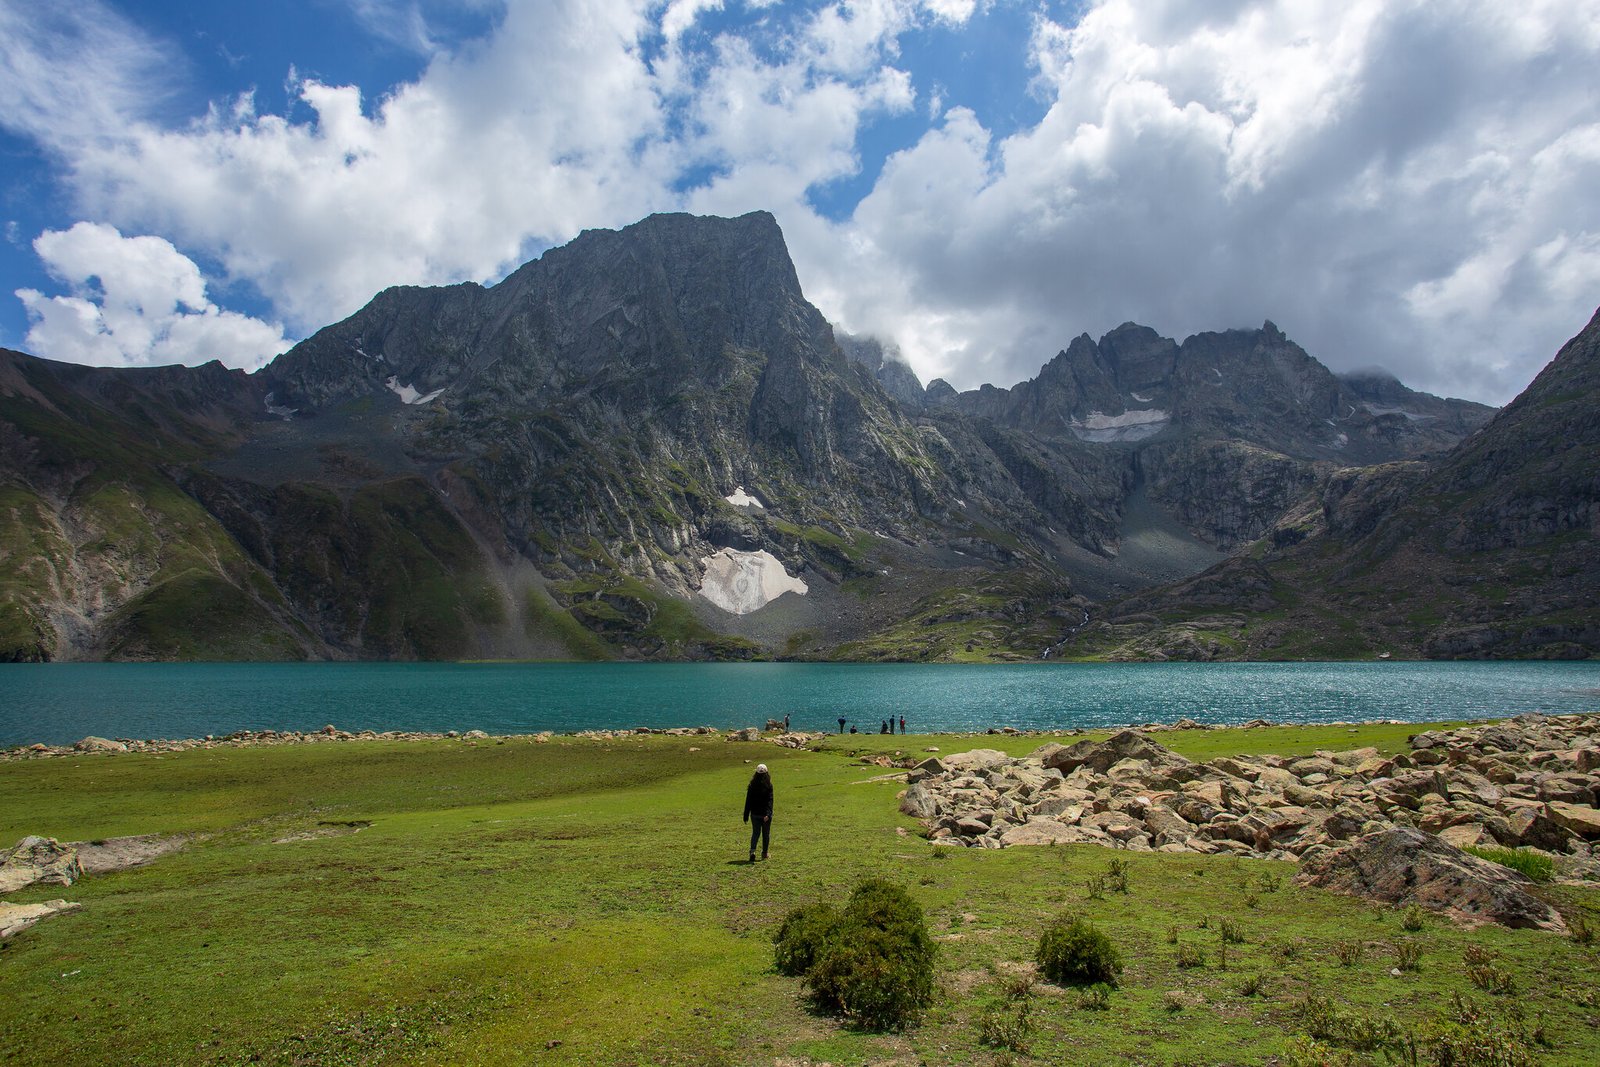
[[1392, 181], [70, 72], [682, 14], [137, 301]]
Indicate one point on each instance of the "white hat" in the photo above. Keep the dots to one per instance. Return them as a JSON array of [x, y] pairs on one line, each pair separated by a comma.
[[761, 768]]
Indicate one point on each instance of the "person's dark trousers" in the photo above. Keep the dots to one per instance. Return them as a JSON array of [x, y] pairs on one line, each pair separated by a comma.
[[762, 829]]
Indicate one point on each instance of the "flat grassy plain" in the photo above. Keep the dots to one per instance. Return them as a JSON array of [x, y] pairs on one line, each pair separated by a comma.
[[588, 902]]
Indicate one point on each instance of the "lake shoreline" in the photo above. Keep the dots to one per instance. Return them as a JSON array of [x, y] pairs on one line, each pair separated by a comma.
[[94, 745]]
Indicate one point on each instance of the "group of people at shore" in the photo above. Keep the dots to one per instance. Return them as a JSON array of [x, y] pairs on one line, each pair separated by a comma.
[[885, 726]]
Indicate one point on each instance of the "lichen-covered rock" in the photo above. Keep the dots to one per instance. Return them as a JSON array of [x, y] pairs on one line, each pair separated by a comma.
[[1406, 866], [38, 861]]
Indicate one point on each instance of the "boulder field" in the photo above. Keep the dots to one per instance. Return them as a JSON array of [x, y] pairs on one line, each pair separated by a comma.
[[1529, 782]]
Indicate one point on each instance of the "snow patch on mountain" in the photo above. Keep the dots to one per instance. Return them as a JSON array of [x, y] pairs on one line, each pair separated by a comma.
[[1129, 426], [409, 395], [742, 582]]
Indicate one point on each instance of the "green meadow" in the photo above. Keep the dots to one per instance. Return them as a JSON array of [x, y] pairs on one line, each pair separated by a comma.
[[589, 902]]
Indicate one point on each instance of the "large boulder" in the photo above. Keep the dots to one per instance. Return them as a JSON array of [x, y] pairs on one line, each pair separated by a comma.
[[99, 744], [976, 760], [1041, 831], [38, 861], [1580, 819], [920, 803], [1406, 866], [1101, 756]]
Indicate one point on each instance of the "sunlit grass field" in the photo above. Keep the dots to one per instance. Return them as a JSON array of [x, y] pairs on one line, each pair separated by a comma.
[[588, 902]]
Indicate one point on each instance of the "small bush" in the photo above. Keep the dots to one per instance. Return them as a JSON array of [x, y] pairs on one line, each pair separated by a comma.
[[1348, 952], [1304, 1051], [1173, 1001], [1268, 882], [1074, 952], [1491, 979], [1325, 1020], [1008, 1025], [1252, 984], [1172, 935], [1582, 932], [1095, 888], [1539, 868], [1095, 998], [1408, 955], [1189, 956], [1251, 900], [1117, 876], [1411, 921], [804, 932], [1231, 934], [872, 963], [1017, 986]]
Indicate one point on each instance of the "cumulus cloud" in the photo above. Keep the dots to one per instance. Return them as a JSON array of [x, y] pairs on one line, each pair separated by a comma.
[[136, 301], [1394, 182]]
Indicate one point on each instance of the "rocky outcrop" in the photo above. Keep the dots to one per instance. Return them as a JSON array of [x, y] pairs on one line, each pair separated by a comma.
[[38, 861], [1406, 866], [1529, 782], [15, 918]]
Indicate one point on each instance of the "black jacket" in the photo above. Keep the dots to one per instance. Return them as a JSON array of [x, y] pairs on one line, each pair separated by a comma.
[[758, 797]]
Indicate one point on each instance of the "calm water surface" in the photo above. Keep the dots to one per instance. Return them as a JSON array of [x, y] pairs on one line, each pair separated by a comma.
[[60, 702]]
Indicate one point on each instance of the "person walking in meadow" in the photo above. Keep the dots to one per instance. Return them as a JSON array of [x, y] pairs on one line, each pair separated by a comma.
[[758, 810]]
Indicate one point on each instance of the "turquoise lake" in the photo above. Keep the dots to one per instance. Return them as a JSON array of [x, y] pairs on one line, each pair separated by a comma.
[[58, 703]]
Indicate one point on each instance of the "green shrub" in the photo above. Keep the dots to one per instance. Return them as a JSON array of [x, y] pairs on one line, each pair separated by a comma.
[[1411, 921], [1539, 868], [1492, 979], [1008, 1025], [1073, 952], [1095, 998], [802, 936], [876, 965], [1349, 953], [1190, 956]]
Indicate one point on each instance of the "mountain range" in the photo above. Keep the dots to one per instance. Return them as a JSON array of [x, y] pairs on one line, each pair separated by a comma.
[[648, 444]]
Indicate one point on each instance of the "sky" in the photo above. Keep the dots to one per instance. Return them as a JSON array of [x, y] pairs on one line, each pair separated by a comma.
[[1404, 184]]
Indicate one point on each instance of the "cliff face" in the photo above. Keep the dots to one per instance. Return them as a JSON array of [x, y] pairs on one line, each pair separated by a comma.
[[1225, 430], [1488, 551]]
